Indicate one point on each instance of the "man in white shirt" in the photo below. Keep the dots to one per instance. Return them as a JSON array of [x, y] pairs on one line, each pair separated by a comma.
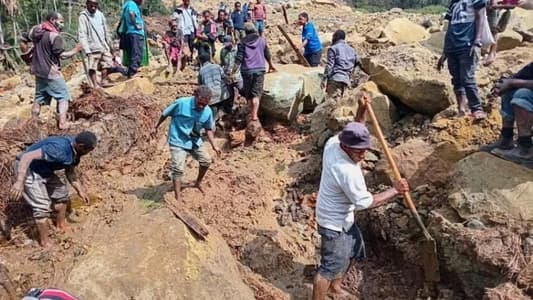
[[342, 191], [189, 25]]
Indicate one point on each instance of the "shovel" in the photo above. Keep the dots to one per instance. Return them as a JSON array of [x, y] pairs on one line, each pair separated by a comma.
[[428, 246]]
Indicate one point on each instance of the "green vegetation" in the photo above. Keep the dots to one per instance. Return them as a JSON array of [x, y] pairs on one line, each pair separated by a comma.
[[419, 6]]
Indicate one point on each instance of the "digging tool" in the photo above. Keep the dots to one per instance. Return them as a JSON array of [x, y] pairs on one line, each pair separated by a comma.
[[192, 222], [428, 249], [299, 54]]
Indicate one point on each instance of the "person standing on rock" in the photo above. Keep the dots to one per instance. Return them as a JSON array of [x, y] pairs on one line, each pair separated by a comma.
[[252, 56], [43, 190], [189, 25], [96, 42], [48, 52], [516, 105], [462, 49], [342, 191], [134, 30], [189, 117], [312, 47], [342, 60]]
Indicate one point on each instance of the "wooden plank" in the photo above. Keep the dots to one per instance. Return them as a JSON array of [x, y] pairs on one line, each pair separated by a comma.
[[191, 221], [299, 54], [285, 14]]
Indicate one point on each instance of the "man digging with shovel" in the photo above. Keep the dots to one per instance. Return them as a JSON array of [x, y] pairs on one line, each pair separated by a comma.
[[342, 191]]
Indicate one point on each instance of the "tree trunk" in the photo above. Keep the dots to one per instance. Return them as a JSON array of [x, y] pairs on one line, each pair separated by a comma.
[[15, 29], [55, 6], [1, 32], [69, 15]]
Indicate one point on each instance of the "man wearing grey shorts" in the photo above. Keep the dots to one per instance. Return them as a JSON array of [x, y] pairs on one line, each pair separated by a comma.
[[40, 186], [189, 117]]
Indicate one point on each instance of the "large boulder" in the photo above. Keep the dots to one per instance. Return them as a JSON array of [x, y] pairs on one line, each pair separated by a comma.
[[402, 31], [508, 39], [485, 187], [287, 90], [408, 73], [521, 19], [435, 42], [154, 256]]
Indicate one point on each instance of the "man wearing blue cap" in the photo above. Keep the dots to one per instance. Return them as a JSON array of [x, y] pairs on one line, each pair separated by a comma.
[[342, 191]]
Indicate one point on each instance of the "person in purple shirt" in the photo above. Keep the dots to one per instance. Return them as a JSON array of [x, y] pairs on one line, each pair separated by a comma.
[[252, 55], [41, 187]]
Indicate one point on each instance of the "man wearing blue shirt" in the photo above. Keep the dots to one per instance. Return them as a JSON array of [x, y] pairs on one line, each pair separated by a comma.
[[189, 116], [238, 17], [462, 48], [41, 187], [310, 40], [132, 18]]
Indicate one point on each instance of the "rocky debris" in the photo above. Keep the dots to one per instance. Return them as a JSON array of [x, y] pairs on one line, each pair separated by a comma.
[[10, 83], [521, 19], [131, 87], [478, 189], [402, 31], [287, 90], [505, 291], [420, 163], [435, 42], [407, 73], [161, 251], [508, 39], [296, 207]]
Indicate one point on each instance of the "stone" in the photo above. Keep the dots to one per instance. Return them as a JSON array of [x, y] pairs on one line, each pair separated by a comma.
[[396, 10], [162, 260], [475, 224], [480, 191], [384, 109], [419, 162], [287, 90], [508, 39], [10, 83], [374, 35], [402, 31], [131, 87], [434, 29], [408, 73], [521, 19]]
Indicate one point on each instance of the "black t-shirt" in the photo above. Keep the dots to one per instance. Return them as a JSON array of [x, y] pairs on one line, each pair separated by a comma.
[[526, 73]]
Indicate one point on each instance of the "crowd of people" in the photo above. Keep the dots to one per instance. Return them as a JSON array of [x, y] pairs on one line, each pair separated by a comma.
[[190, 41]]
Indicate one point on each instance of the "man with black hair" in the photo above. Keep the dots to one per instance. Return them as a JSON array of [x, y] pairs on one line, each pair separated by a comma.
[[312, 47], [342, 60], [37, 181], [189, 117], [48, 51], [212, 76], [189, 25]]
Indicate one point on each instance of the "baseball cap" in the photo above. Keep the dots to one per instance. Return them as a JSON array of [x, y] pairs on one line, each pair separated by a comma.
[[355, 135]]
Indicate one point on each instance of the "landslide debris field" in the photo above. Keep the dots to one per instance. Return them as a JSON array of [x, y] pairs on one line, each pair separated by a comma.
[[259, 196]]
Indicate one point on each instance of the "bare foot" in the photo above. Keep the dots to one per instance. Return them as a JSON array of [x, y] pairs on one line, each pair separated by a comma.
[[489, 60], [199, 187], [63, 228]]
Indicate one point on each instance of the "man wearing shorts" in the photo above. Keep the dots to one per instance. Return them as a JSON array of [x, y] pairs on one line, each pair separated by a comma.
[[342, 191], [95, 40], [45, 65], [189, 117], [189, 26], [39, 184], [252, 55]]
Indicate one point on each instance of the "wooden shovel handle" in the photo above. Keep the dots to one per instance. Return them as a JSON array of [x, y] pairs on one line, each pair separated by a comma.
[[395, 171]]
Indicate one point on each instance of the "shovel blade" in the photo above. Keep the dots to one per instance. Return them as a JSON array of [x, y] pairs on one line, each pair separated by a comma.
[[430, 261]]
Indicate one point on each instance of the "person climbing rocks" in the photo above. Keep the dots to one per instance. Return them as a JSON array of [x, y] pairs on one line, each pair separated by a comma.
[[189, 26], [48, 51], [252, 56], [342, 60], [233, 81], [134, 30], [342, 191], [516, 106], [189, 117], [207, 34], [173, 46], [311, 45], [462, 49], [41, 187], [96, 42], [259, 16], [212, 76]]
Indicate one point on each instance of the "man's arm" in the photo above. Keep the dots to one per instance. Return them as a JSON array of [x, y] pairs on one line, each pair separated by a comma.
[[364, 100], [521, 83], [211, 138], [329, 65], [72, 177], [384, 197], [83, 33], [133, 20], [268, 57], [24, 163], [480, 15]]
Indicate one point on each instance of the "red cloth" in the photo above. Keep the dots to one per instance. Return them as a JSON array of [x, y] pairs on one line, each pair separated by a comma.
[[49, 27], [54, 294]]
